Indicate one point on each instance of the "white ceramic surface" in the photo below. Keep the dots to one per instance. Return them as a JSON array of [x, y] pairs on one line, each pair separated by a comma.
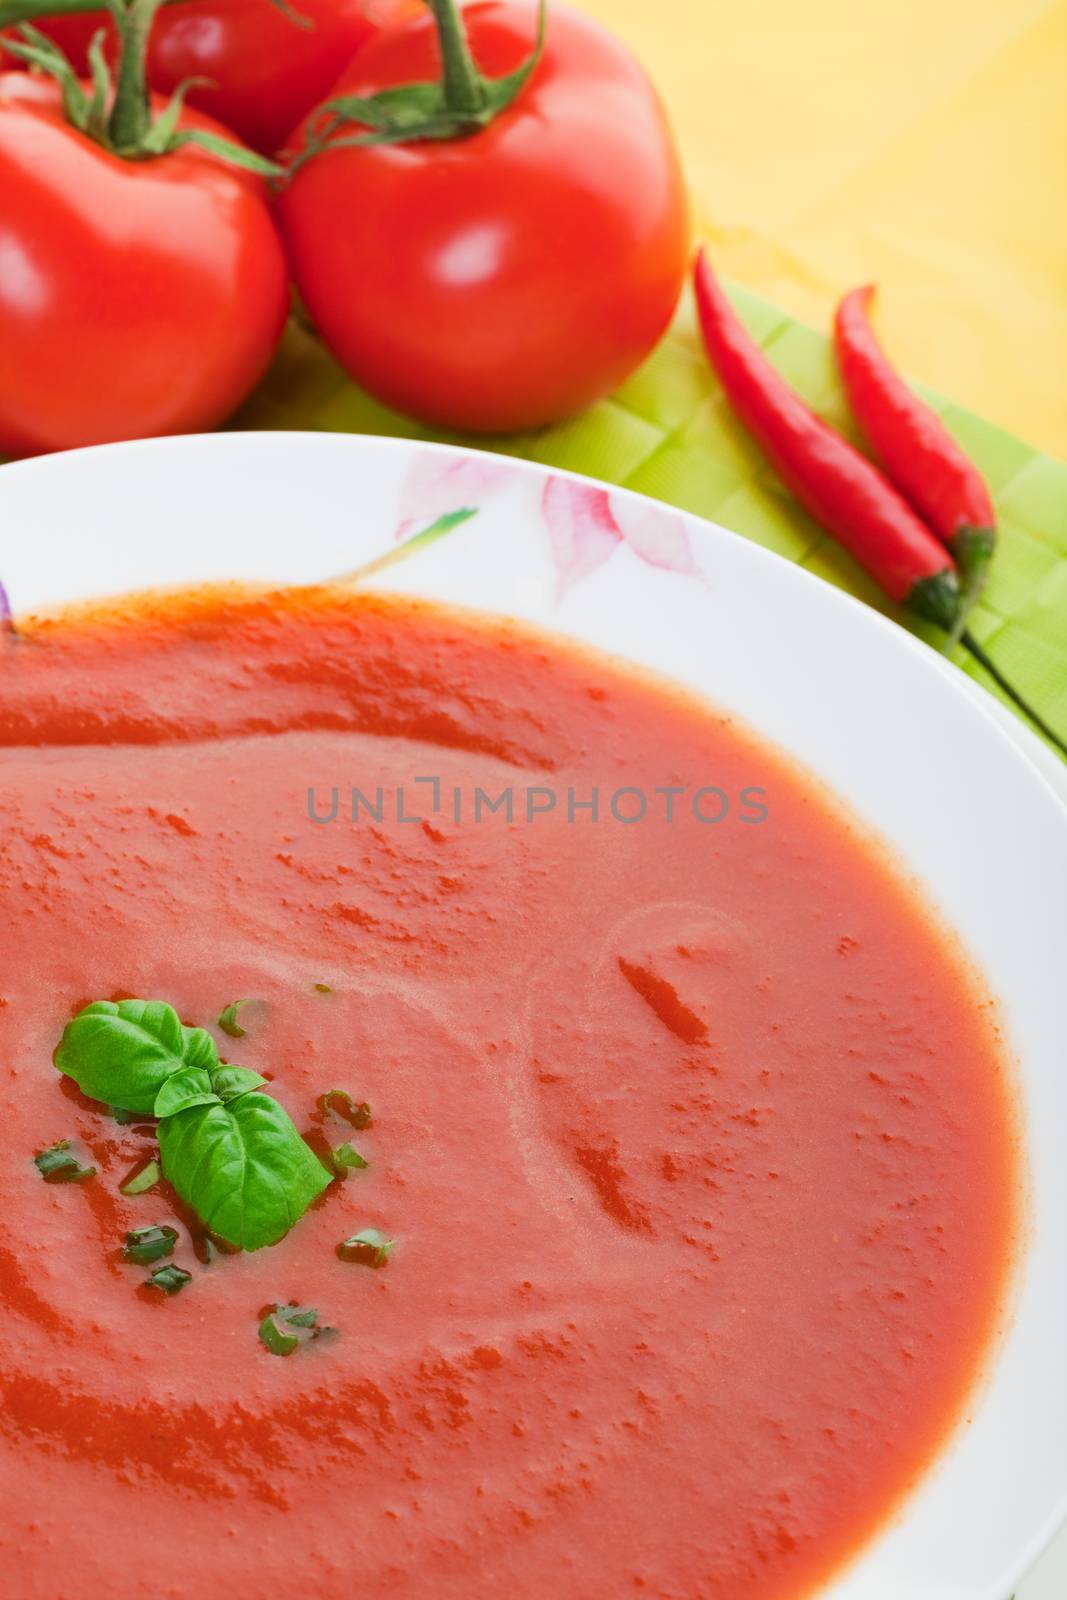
[[914, 749]]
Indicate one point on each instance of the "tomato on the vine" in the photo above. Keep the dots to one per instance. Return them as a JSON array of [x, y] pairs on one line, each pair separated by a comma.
[[137, 297], [498, 276], [265, 66]]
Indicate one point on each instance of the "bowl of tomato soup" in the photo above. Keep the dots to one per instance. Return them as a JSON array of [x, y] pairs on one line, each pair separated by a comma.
[[652, 953]]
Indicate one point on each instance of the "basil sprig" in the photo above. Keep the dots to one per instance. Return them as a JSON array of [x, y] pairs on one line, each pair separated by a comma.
[[124, 1053], [242, 1167], [231, 1152]]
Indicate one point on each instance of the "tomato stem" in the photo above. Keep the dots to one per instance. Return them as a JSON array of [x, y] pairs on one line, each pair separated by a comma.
[[464, 86], [16, 11], [131, 115]]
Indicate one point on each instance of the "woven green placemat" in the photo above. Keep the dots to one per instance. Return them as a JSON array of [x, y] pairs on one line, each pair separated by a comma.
[[669, 433]]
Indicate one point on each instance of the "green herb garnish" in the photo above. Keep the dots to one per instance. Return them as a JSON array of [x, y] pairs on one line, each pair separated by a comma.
[[144, 1178], [357, 1114], [189, 1086], [232, 1153], [346, 1158], [59, 1164], [285, 1327], [228, 1020], [229, 1082], [242, 1167], [145, 1245], [369, 1248], [123, 1053], [169, 1278]]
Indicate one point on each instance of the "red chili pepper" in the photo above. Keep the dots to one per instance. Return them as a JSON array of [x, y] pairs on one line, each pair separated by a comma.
[[913, 444], [838, 485], [841, 488]]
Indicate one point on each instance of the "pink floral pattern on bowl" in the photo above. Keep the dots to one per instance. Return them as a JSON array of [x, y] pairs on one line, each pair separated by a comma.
[[585, 522]]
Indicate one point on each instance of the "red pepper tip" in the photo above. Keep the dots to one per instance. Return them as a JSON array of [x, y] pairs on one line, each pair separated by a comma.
[[861, 297]]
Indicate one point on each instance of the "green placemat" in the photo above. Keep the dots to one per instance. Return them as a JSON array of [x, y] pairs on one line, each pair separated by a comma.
[[670, 433]]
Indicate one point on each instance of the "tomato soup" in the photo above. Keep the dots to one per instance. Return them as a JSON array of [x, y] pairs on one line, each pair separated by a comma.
[[691, 1132]]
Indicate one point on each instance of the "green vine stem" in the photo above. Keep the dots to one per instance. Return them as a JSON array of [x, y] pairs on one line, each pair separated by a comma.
[[131, 115], [460, 103], [464, 86], [119, 116], [16, 11]]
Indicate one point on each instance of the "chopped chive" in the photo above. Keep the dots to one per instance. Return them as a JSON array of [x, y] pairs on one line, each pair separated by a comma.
[[283, 1328], [144, 1178], [145, 1245], [169, 1278], [277, 1342], [204, 1249], [58, 1164], [228, 1020], [340, 1101], [295, 1318], [368, 1248], [346, 1158]]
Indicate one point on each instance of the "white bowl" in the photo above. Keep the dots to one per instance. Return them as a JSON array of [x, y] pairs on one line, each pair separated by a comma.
[[905, 741]]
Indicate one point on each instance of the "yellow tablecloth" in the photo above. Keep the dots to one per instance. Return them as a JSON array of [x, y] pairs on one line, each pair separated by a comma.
[[922, 144]]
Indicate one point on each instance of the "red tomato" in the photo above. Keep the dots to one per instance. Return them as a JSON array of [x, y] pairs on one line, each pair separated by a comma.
[[266, 70], [506, 279], [136, 297]]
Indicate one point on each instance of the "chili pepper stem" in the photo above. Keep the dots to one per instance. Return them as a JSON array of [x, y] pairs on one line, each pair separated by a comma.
[[973, 551], [970, 643], [937, 598]]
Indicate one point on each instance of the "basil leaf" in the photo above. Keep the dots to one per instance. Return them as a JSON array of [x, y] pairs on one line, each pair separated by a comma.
[[229, 1082], [242, 1167], [59, 1164], [285, 1327], [346, 1158], [369, 1248], [124, 1053], [199, 1049], [190, 1086], [341, 1102], [144, 1245], [169, 1278], [144, 1178]]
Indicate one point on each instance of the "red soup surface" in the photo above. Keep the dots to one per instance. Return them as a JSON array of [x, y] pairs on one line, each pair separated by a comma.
[[694, 1136]]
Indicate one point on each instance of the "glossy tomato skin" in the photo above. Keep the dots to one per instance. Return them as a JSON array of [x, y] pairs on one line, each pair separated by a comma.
[[506, 279], [136, 298], [266, 70]]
